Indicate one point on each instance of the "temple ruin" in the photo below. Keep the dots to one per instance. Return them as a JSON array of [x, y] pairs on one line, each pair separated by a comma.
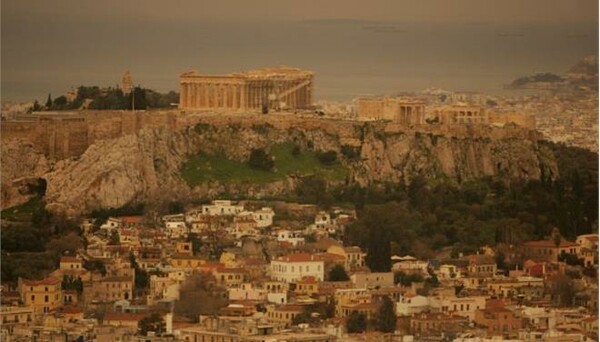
[[462, 114], [402, 110], [269, 88]]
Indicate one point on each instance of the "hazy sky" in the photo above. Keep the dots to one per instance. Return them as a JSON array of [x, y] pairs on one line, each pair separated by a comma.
[[54, 45], [411, 10]]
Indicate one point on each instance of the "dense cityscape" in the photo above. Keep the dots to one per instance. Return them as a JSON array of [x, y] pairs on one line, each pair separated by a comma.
[[244, 206]]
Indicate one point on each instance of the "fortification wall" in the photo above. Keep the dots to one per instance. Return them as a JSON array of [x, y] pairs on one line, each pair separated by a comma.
[[524, 120], [69, 135]]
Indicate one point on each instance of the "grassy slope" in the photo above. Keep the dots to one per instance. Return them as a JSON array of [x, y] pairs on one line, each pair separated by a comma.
[[202, 168], [22, 213]]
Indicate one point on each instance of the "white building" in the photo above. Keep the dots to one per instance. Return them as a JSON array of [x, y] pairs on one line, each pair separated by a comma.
[[293, 267], [176, 229], [448, 272], [293, 237], [322, 219], [408, 264], [222, 207], [264, 217], [246, 291], [112, 223], [411, 304], [372, 279], [461, 306]]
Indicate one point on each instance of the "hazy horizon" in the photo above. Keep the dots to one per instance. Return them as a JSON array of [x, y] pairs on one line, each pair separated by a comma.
[[53, 46]]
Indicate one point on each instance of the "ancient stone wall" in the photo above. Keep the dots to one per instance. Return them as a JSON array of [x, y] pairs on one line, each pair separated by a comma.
[[64, 137], [523, 120]]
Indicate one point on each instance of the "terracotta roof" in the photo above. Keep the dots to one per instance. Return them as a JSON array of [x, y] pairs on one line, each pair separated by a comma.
[[131, 219], [297, 257], [481, 259], [290, 307], [329, 257], [307, 280], [69, 259], [550, 244], [121, 316], [47, 281], [70, 309]]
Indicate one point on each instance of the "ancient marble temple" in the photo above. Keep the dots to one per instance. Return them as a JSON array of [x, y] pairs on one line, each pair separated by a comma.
[[269, 88]]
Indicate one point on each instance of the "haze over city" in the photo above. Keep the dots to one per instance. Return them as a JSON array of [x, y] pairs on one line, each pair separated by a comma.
[[299, 171], [53, 46]]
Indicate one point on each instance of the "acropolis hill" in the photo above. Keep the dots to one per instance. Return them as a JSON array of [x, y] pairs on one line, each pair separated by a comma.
[[133, 156]]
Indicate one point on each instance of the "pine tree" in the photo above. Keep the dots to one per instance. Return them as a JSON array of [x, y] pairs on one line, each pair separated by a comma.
[[356, 323], [338, 273], [49, 102], [386, 317]]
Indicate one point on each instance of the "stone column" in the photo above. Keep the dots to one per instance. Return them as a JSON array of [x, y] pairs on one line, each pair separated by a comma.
[[198, 89], [243, 96], [226, 96], [236, 96], [205, 86], [182, 95], [192, 95]]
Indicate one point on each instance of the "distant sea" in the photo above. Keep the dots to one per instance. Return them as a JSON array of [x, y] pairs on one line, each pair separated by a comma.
[[350, 58]]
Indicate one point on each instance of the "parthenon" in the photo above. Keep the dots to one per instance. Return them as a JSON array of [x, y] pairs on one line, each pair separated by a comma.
[[271, 88]]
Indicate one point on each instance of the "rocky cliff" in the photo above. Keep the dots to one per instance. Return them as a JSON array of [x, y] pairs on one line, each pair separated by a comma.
[[22, 167], [146, 166]]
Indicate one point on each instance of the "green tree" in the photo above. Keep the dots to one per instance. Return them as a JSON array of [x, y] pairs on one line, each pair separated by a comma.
[[114, 238], [59, 103], [338, 273], [386, 317], [49, 102], [327, 158], [356, 323], [313, 189], [36, 106], [196, 242], [154, 323], [261, 160]]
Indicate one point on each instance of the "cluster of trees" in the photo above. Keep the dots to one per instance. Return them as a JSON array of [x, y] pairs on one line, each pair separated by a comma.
[[338, 273], [199, 295], [33, 247], [142, 278], [110, 98], [261, 160], [421, 218], [72, 283], [316, 312], [384, 321]]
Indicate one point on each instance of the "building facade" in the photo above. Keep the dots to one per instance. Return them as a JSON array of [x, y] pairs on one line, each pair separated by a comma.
[[273, 88]]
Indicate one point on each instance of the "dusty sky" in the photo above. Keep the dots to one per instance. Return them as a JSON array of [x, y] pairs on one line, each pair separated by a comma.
[[394, 10], [51, 45]]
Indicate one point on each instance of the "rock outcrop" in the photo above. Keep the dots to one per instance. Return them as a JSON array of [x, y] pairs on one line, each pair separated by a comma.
[[146, 166], [22, 167]]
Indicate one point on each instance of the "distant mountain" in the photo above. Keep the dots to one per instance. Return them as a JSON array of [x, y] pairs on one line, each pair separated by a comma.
[[587, 66], [581, 76]]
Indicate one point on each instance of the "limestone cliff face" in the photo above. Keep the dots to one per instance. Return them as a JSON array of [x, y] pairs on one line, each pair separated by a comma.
[[113, 173], [146, 166], [399, 157], [22, 165]]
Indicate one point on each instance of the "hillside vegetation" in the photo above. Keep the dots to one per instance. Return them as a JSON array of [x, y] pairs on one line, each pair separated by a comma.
[[288, 160]]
